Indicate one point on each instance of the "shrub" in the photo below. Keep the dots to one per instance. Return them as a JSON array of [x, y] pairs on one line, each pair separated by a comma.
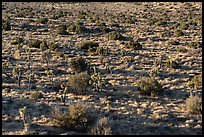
[[44, 45], [79, 64], [35, 43], [43, 20], [114, 36], [134, 45], [54, 47], [161, 22], [196, 82], [179, 33], [183, 26], [173, 42], [88, 45], [17, 40], [102, 127], [195, 45], [6, 24], [36, 95], [194, 105], [61, 30], [148, 86], [182, 49], [79, 82], [172, 64], [78, 118], [77, 27]]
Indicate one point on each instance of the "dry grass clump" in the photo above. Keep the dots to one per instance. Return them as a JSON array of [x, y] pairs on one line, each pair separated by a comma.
[[194, 105], [102, 127], [79, 82], [77, 27], [196, 82], [148, 86], [35, 43], [179, 33]]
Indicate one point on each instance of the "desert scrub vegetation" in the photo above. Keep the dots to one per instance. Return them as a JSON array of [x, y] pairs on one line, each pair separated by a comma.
[[196, 82], [36, 95], [172, 64], [78, 118], [79, 65], [77, 27], [195, 45], [179, 32], [17, 40], [135, 45], [102, 127], [79, 82], [148, 86], [182, 49], [88, 45], [6, 23], [35, 43], [173, 42], [114, 36], [43, 20], [62, 30], [194, 105]]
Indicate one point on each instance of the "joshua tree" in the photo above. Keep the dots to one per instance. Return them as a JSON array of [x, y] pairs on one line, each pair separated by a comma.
[[17, 72], [50, 75], [22, 112]]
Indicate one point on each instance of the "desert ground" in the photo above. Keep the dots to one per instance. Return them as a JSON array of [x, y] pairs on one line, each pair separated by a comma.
[[39, 79]]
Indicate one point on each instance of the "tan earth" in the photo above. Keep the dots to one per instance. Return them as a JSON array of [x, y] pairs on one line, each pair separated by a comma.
[[130, 112]]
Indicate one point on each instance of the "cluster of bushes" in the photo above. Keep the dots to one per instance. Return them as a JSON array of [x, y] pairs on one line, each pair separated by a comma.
[[172, 64], [62, 30], [195, 45], [79, 65], [43, 45]]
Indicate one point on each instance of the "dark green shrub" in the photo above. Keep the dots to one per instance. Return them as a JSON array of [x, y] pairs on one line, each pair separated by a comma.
[[194, 105], [79, 82], [195, 45], [88, 45], [17, 40], [54, 47], [182, 49], [43, 20], [6, 23], [173, 42], [148, 86], [134, 45], [161, 22], [77, 27], [79, 64], [172, 64], [114, 36], [35, 43], [44, 45], [179, 33], [61, 30], [36, 95]]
